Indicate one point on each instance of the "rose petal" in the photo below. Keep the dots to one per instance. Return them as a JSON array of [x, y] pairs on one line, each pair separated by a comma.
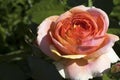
[[104, 49], [64, 15], [54, 50], [79, 9], [76, 71], [104, 61], [73, 71], [98, 12], [42, 38]]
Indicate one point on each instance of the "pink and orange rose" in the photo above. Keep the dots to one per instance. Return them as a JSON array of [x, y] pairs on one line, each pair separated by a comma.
[[78, 42]]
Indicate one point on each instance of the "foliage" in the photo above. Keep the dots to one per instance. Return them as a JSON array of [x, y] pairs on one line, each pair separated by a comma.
[[19, 58]]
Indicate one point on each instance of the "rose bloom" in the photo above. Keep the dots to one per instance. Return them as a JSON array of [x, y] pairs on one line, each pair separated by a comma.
[[78, 42]]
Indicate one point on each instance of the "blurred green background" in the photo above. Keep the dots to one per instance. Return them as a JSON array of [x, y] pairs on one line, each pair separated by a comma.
[[19, 58]]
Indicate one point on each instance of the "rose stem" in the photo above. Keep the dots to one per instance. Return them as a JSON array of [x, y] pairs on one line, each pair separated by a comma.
[[90, 3]]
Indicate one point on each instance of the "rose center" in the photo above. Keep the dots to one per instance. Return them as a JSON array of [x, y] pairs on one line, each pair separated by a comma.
[[79, 29], [82, 24]]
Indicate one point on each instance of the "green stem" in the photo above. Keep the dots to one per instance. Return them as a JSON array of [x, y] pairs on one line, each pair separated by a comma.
[[90, 3]]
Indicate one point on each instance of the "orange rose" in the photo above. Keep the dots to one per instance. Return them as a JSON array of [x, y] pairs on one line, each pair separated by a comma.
[[78, 41]]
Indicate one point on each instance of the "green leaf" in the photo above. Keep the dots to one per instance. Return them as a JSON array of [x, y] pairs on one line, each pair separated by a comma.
[[12, 56], [116, 2], [114, 31], [116, 12], [2, 33], [105, 77], [44, 9]]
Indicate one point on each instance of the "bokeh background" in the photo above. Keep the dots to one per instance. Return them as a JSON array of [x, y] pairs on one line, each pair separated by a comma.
[[20, 59]]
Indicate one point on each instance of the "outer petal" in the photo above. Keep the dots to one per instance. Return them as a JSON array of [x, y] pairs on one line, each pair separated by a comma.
[[43, 38], [79, 9], [104, 61], [71, 11], [76, 71], [104, 49], [64, 15]]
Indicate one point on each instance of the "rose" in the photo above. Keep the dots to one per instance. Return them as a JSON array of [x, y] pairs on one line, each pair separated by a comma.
[[78, 42]]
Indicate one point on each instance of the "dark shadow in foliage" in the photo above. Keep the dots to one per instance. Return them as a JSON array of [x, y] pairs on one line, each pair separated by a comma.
[[114, 22], [73, 3], [11, 72], [97, 78], [116, 75], [116, 47], [30, 79], [42, 70], [33, 26], [105, 5]]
